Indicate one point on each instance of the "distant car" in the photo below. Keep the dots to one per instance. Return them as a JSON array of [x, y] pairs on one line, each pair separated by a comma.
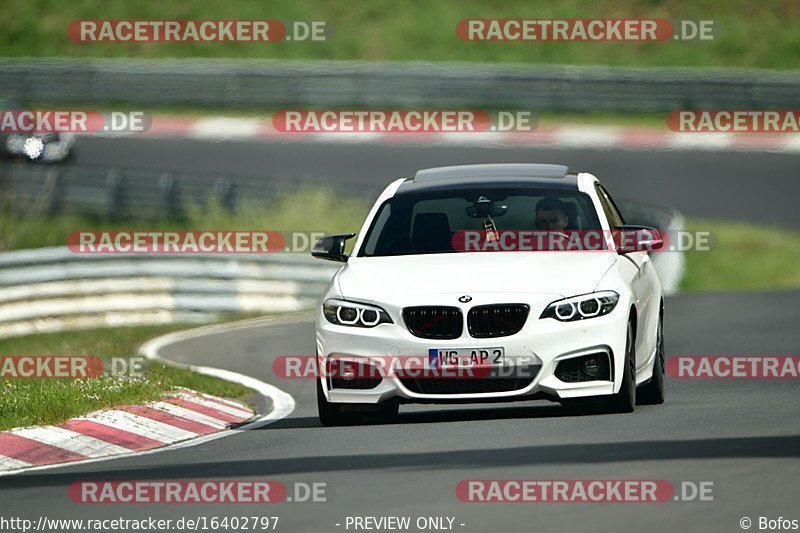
[[570, 326], [49, 147]]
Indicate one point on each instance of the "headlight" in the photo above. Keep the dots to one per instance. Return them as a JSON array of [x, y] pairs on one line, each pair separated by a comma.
[[582, 307], [344, 313]]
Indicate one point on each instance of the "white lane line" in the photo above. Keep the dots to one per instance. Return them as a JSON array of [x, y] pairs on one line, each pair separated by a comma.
[[70, 440], [140, 425], [188, 414], [282, 403], [9, 463]]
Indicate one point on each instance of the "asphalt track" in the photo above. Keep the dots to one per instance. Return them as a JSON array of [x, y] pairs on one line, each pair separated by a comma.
[[752, 186], [742, 435]]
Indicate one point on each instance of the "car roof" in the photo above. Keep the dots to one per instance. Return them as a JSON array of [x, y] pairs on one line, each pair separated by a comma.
[[496, 174]]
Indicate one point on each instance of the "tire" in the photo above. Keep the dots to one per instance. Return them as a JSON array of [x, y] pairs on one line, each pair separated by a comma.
[[389, 410], [653, 393], [330, 414], [625, 400]]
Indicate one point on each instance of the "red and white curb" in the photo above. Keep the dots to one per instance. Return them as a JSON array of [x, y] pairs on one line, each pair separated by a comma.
[[567, 136], [132, 428], [183, 419]]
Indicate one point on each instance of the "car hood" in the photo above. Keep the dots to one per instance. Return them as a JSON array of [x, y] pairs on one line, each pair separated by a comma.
[[557, 273]]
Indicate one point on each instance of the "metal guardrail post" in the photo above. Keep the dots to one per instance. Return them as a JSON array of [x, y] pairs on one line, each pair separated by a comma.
[[225, 193], [117, 195], [232, 90], [173, 201], [53, 192]]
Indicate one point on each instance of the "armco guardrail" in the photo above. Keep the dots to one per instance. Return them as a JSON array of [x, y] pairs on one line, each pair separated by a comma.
[[53, 289], [142, 193], [242, 83]]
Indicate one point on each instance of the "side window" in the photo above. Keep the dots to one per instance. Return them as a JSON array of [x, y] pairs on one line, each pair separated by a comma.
[[611, 211], [378, 228], [613, 205]]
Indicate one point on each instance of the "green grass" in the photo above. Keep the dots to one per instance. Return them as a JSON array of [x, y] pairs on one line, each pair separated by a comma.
[[30, 402], [306, 209], [749, 34], [743, 257], [25, 402]]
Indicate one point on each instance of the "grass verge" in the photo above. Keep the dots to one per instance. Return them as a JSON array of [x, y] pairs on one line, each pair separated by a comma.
[[33, 402], [747, 34], [743, 257], [305, 210], [25, 402]]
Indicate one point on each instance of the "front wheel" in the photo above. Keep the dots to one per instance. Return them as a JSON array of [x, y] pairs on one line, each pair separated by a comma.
[[625, 400], [334, 414], [654, 392], [331, 414]]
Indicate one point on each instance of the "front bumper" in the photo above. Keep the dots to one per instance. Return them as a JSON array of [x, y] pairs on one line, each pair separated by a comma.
[[532, 355]]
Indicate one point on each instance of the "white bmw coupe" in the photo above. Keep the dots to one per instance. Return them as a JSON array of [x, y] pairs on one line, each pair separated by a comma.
[[451, 294]]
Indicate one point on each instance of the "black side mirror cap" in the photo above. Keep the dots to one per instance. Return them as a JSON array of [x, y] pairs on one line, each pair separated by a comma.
[[631, 238], [332, 247]]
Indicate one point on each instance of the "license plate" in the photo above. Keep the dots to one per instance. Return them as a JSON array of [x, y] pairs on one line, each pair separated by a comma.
[[464, 357]]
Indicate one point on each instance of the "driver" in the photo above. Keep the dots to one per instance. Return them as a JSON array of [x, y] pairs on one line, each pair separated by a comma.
[[551, 215]]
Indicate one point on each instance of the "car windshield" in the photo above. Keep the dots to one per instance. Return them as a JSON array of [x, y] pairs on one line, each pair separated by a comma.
[[422, 223]]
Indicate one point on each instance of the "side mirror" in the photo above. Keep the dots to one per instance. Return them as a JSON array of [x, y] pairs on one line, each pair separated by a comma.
[[637, 239], [332, 247]]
